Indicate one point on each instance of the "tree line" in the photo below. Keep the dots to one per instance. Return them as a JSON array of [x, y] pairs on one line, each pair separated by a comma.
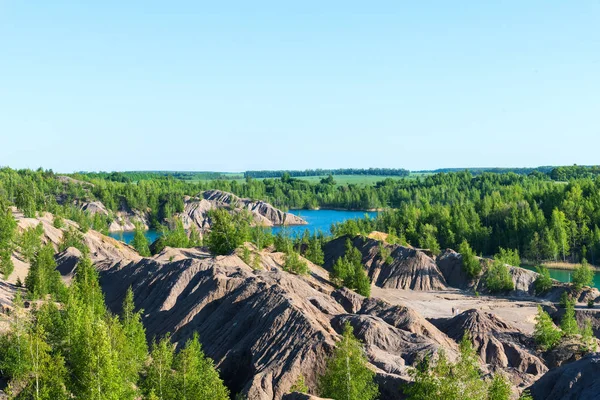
[[325, 172]]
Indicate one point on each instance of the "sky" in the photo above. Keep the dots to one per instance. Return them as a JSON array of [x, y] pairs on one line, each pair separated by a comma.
[[233, 86]]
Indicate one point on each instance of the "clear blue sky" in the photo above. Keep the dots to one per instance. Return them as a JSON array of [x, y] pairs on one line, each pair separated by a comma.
[[231, 86]]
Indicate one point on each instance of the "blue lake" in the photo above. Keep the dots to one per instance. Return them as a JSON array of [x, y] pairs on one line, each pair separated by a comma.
[[318, 220], [321, 220]]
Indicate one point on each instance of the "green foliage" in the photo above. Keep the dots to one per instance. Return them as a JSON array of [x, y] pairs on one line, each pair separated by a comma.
[[568, 323], [583, 275], [261, 237], [499, 388], [588, 339], [176, 237], [228, 231], [135, 353], [470, 263], [72, 238], [526, 395], [30, 242], [546, 335], [294, 264], [385, 254], [299, 386], [543, 282], [79, 350], [195, 240], [348, 271], [498, 278], [314, 252], [428, 239], [508, 256], [140, 242], [283, 243], [566, 300], [195, 374], [43, 278], [58, 222], [347, 375], [8, 227], [460, 380]]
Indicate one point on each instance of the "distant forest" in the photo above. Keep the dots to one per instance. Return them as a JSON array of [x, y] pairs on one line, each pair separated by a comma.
[[323, 172], [564, 173]]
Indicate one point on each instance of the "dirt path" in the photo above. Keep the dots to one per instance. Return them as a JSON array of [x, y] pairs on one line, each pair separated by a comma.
[[520, 313]]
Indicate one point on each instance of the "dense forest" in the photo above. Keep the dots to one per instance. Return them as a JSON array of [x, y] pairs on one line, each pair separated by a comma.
[[324, 172], [539, 217]]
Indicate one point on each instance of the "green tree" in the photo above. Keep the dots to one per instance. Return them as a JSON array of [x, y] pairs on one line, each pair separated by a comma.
[[8, 227], [348, 271], [43, 278], [508, 256], [72, 238], [543, 282], [159, 378], [499, 388], [299, 386], [498, 278], [446, 380], [46, 378], [546, 335], [314, 252], [568, 323], [136, 349], [558, 227], [470, 263], [228, 231], [582, 276], [140, 242], [293, 263], [347, 375], [428, 239], [195, 374], [30, 242], [588, 339]]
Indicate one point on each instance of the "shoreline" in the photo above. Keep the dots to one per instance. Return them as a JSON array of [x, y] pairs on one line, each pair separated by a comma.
[[564, 266]]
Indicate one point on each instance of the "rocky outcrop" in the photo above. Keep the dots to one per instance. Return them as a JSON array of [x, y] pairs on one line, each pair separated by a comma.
[[94, 207], [574, 381], [499, 344], [196, 210], [405, 268], [126, 220], [265, 213], [449, 263]]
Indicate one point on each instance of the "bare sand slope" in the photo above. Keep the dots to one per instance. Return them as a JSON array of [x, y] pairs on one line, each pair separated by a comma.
[[520, 313]]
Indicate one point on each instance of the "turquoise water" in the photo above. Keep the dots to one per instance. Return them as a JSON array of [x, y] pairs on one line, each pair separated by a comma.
[[564, 275], [127, 237], [321, 220], [317, 220]]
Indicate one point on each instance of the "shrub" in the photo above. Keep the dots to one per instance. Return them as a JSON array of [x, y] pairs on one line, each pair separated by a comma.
[[470, 263], [582, 276], [498, 278], [294, 264], [546, 335], [543, 282]]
